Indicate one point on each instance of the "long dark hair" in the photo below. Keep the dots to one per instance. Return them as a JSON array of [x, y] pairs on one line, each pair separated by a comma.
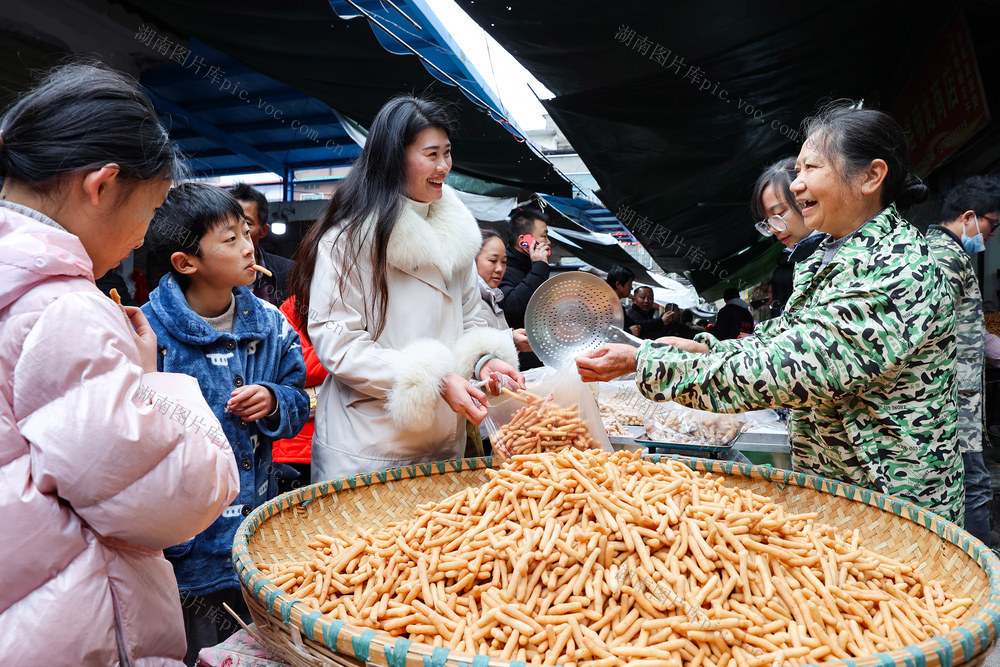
[[374, 188], [84, 115], [854, 136], [779, 176]]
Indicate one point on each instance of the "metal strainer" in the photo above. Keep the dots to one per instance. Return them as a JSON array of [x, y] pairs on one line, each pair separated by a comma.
[[572, 313]]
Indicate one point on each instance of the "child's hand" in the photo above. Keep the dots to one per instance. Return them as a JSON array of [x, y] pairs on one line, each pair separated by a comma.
[[143, 336], [251, 402]]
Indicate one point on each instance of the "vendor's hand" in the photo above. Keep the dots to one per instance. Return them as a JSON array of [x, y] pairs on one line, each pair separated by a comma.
[[495, 367], [685, 344], [251, 402], [540, 253], [521, 343], [144, 337], [635, 329], [607, 362], [463, 398]]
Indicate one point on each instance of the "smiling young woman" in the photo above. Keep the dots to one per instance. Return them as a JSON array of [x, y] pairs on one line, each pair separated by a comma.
[[864, 353], [389, 297], [774, 206]]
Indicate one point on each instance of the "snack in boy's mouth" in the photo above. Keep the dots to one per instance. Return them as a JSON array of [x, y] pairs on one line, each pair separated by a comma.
[[258, 267], [114, 296]]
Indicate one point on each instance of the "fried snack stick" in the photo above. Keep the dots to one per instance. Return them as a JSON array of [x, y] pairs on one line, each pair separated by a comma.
[[115, 296], [587, 558], [258, 267]]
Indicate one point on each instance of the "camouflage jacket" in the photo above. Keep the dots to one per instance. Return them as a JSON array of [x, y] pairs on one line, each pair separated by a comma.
[[970, 332], [864, 358]]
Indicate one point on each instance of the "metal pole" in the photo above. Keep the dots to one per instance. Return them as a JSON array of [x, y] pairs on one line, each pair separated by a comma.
[[288, 184]]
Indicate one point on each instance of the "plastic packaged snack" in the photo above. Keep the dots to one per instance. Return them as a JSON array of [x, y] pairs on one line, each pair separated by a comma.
[[554, 412], [622, 405], [673, 423]]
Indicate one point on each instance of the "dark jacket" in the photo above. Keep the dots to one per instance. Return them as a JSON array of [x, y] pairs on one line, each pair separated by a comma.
[[274, 289], [651, 326], [734, 319], [523, 277], [781, 279]]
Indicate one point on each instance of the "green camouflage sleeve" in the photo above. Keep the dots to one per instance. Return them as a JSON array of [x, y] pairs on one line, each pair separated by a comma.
[[843, 341]]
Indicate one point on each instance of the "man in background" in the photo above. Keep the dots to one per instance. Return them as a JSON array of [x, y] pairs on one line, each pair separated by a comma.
[[647, 321], [527, 269], [272, 289], [735, 319], [620, 278], [970, 216]]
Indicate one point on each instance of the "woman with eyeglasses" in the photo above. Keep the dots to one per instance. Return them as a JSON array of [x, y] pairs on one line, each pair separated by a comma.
[[863, 355], [773, 204]]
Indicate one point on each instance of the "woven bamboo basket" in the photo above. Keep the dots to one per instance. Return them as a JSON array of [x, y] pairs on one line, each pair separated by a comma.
[[280, 529]]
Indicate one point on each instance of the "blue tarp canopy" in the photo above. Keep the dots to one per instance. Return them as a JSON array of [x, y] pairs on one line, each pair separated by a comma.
[[300, 58], [591, 233], [231, 119], [592, 216]]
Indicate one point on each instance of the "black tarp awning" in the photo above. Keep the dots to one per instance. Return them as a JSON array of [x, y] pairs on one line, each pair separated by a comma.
[[676, 107], [305, 45]]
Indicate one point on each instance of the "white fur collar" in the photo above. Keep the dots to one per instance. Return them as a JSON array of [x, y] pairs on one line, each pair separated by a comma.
[[447, 238]]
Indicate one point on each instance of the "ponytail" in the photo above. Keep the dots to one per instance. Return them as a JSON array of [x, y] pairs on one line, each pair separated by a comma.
[[84, 115], [854, 137]]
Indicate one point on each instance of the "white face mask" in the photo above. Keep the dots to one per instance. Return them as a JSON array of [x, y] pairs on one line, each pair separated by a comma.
[[973, 244]]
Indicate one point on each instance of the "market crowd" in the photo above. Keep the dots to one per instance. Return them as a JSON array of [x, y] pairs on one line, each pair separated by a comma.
[[137, 437]]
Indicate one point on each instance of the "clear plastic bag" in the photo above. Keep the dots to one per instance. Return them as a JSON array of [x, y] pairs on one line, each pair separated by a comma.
[[673, 423], [556, 411], [622, 406]]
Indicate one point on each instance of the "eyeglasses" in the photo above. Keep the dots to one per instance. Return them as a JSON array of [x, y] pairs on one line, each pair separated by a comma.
[[776, 223], [994, 223]]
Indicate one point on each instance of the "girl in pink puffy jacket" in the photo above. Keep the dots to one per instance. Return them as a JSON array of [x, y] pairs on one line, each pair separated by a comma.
[[103, 461]]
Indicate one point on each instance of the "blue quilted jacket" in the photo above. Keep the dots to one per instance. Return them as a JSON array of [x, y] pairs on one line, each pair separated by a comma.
[[263, 349]]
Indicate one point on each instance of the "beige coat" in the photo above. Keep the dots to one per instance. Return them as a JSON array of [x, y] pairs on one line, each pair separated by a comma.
[[380, 406]]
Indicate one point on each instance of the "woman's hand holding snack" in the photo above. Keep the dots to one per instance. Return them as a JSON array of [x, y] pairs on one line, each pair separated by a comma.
[[495, 367], [463, 398]]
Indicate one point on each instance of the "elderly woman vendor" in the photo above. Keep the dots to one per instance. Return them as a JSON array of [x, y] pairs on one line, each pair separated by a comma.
[[864, 353]]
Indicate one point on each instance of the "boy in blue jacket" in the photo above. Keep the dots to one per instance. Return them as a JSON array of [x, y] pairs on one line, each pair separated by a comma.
[[248, 361]]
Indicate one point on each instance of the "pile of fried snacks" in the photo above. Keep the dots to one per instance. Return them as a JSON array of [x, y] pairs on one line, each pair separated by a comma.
[[541, 426], [589, 558]]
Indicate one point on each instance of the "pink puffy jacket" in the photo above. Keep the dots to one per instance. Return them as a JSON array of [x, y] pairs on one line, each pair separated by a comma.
[[95, 480]]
